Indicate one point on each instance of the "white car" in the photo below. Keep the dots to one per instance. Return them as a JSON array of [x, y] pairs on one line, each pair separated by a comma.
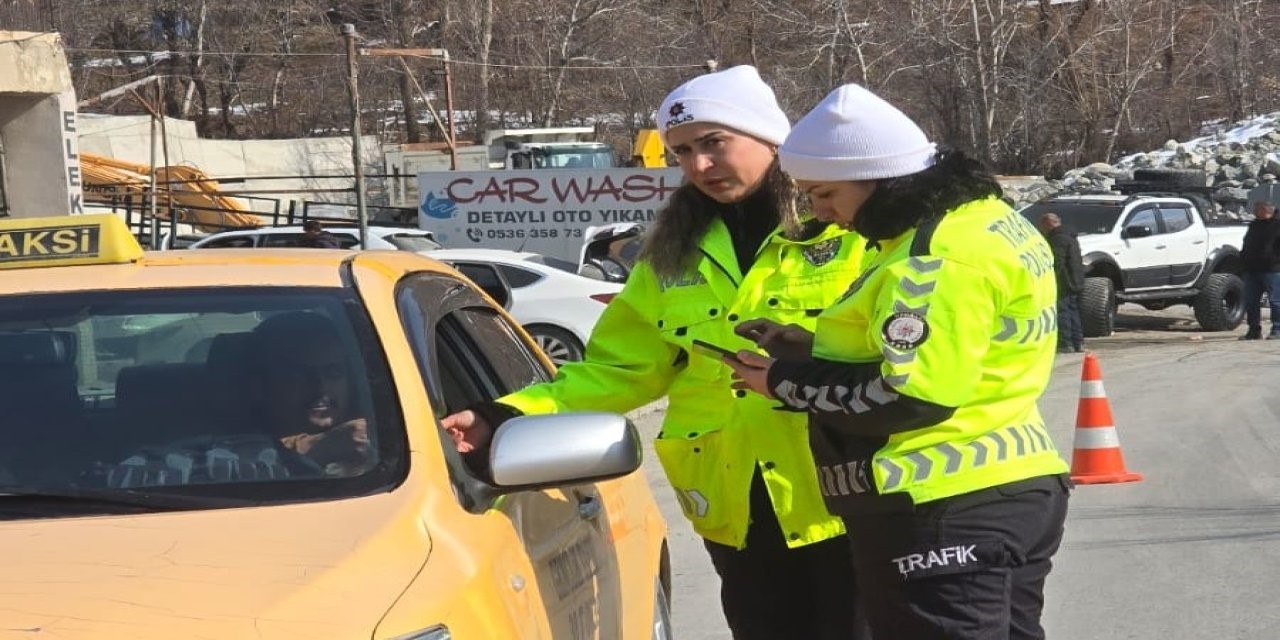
[[555, 305], [402, 238]]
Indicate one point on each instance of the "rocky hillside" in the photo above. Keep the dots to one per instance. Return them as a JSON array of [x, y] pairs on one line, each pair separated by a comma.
[[1236, 158]]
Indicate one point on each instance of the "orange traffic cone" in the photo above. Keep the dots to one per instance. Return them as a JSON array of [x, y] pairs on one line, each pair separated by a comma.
[[1097, 458]]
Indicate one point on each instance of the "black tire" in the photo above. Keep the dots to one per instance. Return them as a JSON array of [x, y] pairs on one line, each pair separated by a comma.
[[1098, 307], [661, 613], [1220, 304], [1172, 177], [559, 345]]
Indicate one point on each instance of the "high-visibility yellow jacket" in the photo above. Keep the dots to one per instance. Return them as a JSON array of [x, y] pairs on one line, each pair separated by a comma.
[[713, 437], [952, 326]]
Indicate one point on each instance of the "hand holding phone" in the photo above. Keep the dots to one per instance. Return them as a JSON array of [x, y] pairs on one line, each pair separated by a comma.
[[750, 371], [714, 351], [787, 342]]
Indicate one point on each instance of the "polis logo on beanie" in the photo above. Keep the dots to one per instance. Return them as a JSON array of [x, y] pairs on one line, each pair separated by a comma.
[[678, 115], [736, 98]]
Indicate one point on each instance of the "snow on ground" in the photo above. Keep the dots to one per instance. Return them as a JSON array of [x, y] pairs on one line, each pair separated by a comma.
[[1216, 134]]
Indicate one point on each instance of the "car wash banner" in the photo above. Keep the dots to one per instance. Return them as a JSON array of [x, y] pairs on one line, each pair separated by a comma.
[[544, 211]]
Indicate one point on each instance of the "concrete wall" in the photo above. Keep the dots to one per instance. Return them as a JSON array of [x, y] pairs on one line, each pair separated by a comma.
[[38, 130], [129, 138]]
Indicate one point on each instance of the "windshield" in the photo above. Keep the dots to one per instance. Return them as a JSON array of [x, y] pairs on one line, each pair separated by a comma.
[[573, 157], [412, 241], [263, 394], [600, 158], [1084, 219]]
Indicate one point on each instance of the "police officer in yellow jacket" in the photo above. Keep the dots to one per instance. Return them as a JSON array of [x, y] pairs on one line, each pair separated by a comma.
[[923, 379], [729, 246]]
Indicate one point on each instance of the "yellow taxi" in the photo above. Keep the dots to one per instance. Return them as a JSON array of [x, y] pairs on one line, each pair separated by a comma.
[[246, 444]]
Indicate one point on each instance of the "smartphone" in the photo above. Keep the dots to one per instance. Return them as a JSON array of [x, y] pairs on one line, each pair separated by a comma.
[[714, 351]]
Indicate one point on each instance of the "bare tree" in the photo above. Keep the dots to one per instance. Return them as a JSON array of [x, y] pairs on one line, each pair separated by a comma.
[[1031, 85]]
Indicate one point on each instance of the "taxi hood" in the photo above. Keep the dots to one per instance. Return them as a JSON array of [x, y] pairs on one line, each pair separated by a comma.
[[316, 570]]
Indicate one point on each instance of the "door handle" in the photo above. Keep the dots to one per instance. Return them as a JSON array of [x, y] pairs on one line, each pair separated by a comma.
[[1197, 242], [1161, 246]]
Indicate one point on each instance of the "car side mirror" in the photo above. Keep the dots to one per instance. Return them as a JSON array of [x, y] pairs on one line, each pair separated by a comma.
[[1136, 231], [534, 452]]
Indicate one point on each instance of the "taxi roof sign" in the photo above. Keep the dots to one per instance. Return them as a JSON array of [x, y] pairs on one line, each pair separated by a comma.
[[66, 241]]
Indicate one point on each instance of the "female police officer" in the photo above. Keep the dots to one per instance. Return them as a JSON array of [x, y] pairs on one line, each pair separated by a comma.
[[923, 379], [728, 246]]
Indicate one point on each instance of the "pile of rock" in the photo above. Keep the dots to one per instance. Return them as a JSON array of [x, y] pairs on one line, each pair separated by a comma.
[[1232, 169]]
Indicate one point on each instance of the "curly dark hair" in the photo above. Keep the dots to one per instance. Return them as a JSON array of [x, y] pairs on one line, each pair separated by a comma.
[[902, 203]]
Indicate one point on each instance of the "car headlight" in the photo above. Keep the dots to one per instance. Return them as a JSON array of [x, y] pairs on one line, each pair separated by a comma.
[[438, 632]]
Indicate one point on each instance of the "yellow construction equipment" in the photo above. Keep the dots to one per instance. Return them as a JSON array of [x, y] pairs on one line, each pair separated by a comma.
[[195, 197], [647, 150]]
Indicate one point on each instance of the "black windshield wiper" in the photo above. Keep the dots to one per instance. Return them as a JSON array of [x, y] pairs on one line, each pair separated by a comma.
[[136, 498]]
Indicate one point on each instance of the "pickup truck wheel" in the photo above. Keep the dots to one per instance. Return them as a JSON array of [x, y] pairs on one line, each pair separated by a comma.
[[1098, 307], [1220, 304]]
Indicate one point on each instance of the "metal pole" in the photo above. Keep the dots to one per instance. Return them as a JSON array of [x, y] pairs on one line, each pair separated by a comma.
[[151, 205], [164, 150], [448, 107], [349, 33]]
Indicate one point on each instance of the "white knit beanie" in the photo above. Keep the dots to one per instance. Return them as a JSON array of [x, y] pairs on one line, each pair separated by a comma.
[[855, 135], [735, 97]]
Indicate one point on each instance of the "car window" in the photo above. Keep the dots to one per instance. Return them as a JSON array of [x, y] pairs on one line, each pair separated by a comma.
[[484, 275], [346, 240], [229, 242], [1083, 218], [488, 278], [512, 361], [517, 277], [1144, 218], [271, 394], [467, 354], [281, 239], [1175, 218]]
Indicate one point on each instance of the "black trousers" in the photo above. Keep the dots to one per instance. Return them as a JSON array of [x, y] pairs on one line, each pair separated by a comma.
[[970, 567], [1070, 328], [771, 592]]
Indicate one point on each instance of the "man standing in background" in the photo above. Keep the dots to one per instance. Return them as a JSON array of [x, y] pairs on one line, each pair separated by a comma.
[[1261, 270], [315, 237], [1068, 266]]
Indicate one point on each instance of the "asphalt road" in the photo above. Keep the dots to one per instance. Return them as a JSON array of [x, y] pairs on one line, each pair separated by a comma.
[[1191, 552]]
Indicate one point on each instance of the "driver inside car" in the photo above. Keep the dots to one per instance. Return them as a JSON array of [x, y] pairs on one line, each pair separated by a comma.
[[305, 395]]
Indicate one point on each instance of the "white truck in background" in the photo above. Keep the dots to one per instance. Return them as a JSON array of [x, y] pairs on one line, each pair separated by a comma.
[[1158, 243], [551, 148]]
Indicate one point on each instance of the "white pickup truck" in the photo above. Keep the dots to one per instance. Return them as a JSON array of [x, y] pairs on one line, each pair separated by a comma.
[[1156, 250]]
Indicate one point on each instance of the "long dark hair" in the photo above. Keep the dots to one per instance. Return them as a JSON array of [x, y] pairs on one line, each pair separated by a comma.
[[899, 204], [671, 246]]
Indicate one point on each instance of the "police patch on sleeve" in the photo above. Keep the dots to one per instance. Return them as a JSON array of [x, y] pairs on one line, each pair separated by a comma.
[[904, 331]]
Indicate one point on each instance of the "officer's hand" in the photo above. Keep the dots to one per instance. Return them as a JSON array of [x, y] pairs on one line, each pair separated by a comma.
[[784, 342], [751, 371], [468, 430]]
